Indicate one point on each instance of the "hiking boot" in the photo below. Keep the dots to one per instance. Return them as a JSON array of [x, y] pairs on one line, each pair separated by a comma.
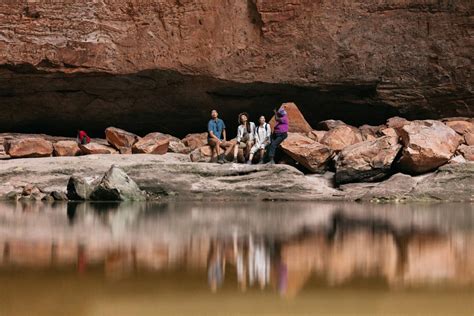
[[221, 160]]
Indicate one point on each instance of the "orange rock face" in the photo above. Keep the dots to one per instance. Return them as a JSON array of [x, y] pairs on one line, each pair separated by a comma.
[[427, 145], [97, 149], [28, 147], [312, 155], [342, 136], [125, 60], [153, 143], [66, 148], [298, 123], [120, 139], [194, 141]]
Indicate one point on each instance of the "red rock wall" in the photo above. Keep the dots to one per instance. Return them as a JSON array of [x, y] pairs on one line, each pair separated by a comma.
[[415, 55]]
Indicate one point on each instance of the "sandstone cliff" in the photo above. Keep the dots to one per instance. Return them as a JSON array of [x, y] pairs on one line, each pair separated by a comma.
[[138, 64]]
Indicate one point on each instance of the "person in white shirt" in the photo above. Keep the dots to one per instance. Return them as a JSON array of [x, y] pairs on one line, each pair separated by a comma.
[[245, 135], [263, 133]]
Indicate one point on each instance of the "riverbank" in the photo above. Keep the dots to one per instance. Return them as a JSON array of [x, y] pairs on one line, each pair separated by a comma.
[[173, 177]]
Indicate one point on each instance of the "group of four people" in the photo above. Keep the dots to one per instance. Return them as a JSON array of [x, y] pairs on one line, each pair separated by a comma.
[[250, 138]]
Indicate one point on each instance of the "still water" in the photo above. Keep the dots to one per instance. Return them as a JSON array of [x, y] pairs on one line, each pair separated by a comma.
[[266, 258]]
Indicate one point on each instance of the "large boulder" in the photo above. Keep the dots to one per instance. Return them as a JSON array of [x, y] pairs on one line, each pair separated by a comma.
[[97, 149], [28, 147], [370, 132], [201, 154], [342, 136], [194, 141], [120, 139], [153, 143], [312, 155], [298, 123], [427, 145], [317, 135], [116, 185], [80, 188], [328, 125], [397, 122], [461, 127], [367, 161], [467, 152], [177, 146], [469, 139], [66, 148]]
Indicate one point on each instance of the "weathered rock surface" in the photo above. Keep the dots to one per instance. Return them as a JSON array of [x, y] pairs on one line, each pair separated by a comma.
[[367, 161], [328, 125], [28, 148], [317, 135], [298, 123], [80, 188], [172, 176], [312, 155], [461, 127], [342, 136], [201, 154], [66, 148], [427, 145], [467, 152], [469, 139], [116, 185], [96, 149], [120, 139], [153, 143], [359, 60], [194, 141]]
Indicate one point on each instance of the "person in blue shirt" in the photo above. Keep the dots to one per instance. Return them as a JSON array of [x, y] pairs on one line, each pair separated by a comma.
[[217, 138]]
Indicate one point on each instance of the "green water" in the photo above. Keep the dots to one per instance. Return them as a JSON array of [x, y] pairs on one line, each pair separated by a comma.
[[236, 259]]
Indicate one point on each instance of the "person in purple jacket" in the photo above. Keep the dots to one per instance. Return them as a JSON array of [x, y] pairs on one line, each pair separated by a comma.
[[280, 132]]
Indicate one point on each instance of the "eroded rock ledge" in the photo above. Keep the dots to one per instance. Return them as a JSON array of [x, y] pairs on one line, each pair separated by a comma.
[[171, 176]]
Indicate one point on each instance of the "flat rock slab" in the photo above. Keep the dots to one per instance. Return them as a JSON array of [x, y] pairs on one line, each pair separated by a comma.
[[172, 176]]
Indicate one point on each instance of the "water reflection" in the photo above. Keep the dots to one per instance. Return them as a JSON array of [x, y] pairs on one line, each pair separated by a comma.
[[278, 247]]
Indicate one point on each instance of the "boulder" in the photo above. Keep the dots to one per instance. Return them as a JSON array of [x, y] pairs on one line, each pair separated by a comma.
[[177, 146], [427, 145], [80, 188], [397, 122], [116, 185], [298, 123], [317, 135], [342, 136], [120, 139], [153, 143], [367, 161], [469, 139], [467, 152], [389, 131], [312, 155], [461, 127], [28, 147], [201, 154], [194, 141], [370, 132], [66, 148], [328, 125], [97, 149]]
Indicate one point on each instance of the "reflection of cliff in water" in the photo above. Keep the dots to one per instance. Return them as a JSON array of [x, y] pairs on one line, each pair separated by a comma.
[[331, 245]]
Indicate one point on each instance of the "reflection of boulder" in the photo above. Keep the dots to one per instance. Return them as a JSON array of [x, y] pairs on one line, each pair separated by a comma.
[[362, 253], [301, 259], [29, 254], [430, 259], [152, 256]]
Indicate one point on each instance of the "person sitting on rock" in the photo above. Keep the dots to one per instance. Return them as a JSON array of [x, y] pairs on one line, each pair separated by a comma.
[[263, 133], [280, 132], [245, 135], [217, 136], [83, 138]]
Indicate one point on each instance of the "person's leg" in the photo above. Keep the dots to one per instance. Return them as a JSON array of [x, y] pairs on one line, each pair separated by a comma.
[[262, 155], [276, 141], [236, 151], [253, 150]]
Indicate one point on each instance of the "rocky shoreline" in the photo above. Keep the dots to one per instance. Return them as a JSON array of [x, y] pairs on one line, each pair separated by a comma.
[[398, 161]]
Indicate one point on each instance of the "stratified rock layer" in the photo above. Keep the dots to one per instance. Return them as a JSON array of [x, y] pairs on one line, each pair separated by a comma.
[[163, 62]]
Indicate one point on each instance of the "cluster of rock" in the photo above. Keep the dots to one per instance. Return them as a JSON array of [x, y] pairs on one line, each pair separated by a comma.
[[364, 154], [115, 185], [371, 153], [117, 141]]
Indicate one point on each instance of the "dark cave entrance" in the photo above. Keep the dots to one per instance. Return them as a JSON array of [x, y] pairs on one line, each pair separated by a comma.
[[57, 103]]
